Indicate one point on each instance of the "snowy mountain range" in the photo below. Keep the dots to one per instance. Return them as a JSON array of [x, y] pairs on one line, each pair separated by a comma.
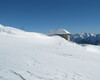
[[35, 56], [86, 38]]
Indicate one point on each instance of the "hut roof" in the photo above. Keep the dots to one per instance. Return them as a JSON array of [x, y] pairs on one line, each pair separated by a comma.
[[59, 31]]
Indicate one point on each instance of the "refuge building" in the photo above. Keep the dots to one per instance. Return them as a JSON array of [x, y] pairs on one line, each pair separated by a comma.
[[61, 32]]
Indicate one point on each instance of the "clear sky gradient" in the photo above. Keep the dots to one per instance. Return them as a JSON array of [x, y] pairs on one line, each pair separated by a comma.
[[76, 16]]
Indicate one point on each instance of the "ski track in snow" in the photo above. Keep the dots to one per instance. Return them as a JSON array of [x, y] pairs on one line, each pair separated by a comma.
[[19, 75]]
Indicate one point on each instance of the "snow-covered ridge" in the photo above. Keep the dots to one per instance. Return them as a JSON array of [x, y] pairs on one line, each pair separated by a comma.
[[86, 38], [6, 30], [9, 30]]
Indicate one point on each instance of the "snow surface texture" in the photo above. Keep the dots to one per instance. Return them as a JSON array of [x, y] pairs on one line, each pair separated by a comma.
[[86, 38], [34, 56]]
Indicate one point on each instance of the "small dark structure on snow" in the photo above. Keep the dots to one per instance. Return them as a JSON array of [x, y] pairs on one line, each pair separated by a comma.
[[61, 32]]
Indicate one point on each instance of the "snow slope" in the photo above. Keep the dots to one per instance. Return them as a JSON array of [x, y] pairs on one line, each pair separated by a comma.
[[34, 56]]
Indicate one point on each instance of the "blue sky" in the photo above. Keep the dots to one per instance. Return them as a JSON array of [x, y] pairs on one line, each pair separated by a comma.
[[77, 16]]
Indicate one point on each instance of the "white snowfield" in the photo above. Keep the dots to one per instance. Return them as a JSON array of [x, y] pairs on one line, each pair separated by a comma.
[[34, 56]]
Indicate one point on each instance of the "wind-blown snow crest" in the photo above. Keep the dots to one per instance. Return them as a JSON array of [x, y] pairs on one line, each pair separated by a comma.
[[10, 30], [5, 30], [41, 57]]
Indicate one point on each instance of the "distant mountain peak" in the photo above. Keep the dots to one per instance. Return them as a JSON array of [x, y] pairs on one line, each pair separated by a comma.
[[86, 38]]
